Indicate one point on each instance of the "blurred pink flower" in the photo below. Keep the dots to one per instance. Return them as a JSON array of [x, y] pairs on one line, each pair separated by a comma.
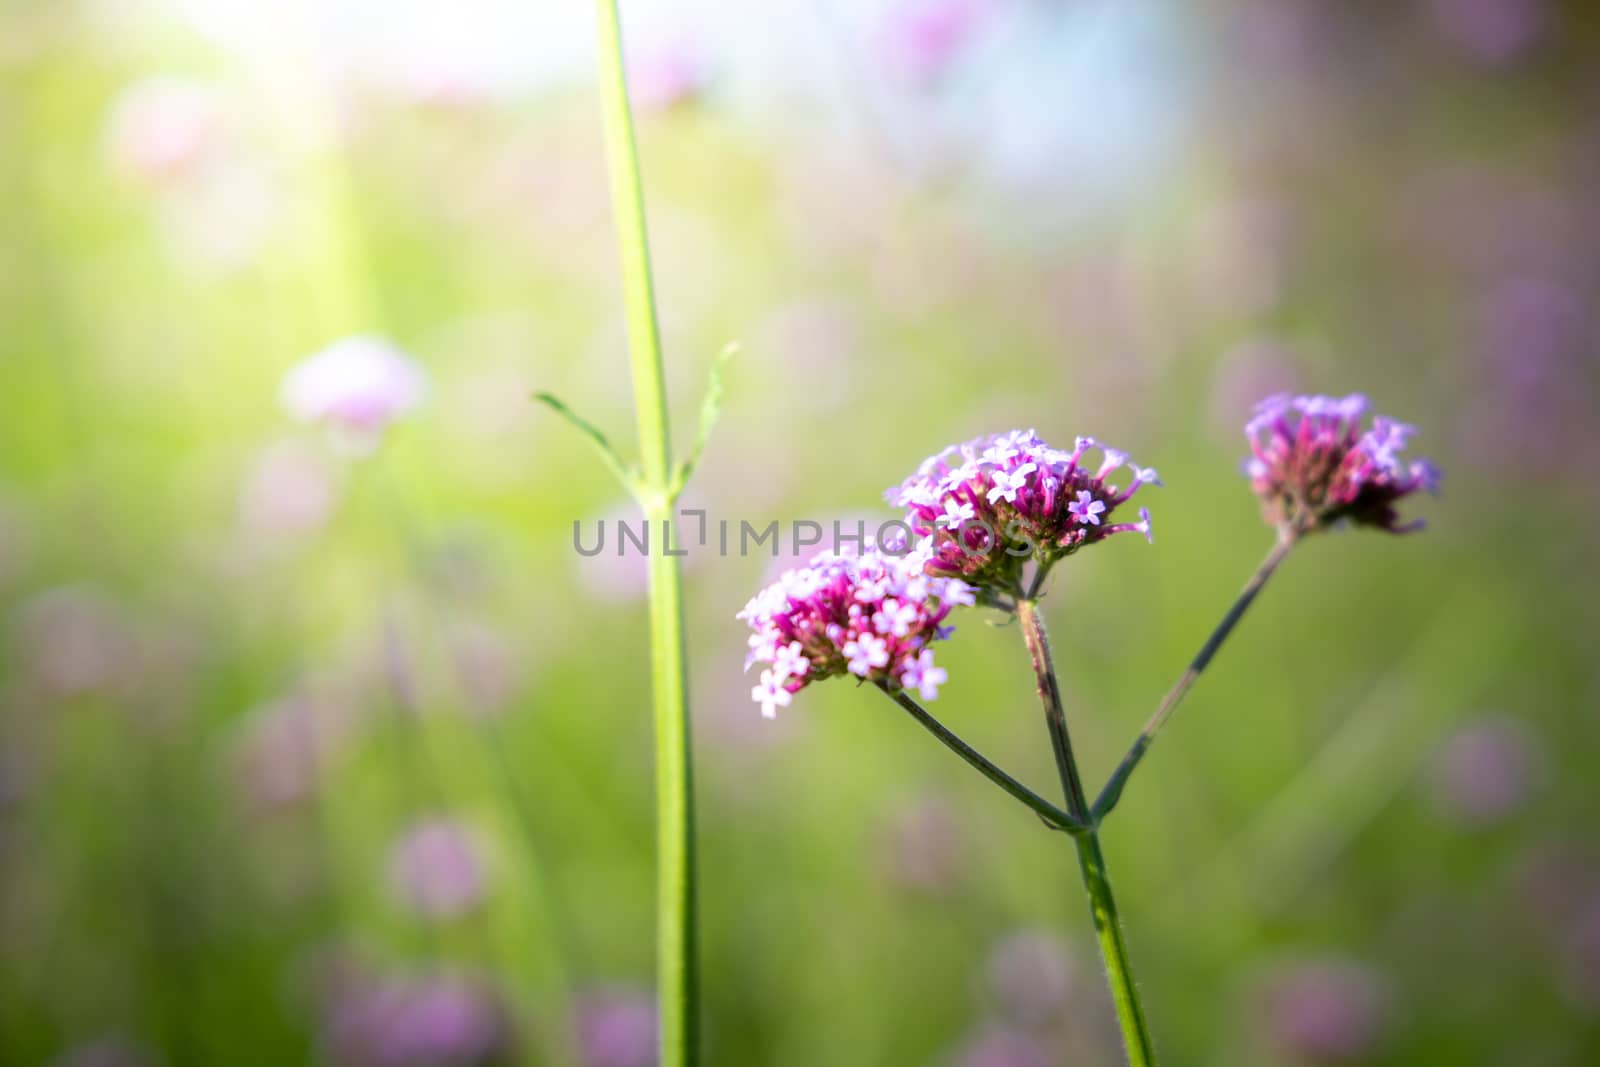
[[213, 205], [1284, 36], [1552, 881], [1485, 772], [289, 491], [923, 38], [74, 640], [616, 1027], [437, 869], [281, 753], [1531, 327], [1324, 1011], [397, 1020], [1003, 1047], [162, 127], [357, 386], [1555, 884], [667, 75], [1490, 31], [1031, 975], [1532, 412]]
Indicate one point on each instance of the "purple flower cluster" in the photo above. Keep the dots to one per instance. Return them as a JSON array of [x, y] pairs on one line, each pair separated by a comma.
[[978, 513], [1313, 465], [988, 506], [871, 615]]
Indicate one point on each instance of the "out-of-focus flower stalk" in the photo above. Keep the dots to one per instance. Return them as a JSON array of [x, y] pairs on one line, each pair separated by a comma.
[[657, 488], [1102, 904]]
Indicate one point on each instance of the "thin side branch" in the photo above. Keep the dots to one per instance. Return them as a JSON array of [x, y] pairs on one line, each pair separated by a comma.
[[1048, 812], [1119, 778]]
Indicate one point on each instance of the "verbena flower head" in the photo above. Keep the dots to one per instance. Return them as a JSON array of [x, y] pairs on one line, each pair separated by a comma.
[[1312, 464], [870, 615], [984, 508]]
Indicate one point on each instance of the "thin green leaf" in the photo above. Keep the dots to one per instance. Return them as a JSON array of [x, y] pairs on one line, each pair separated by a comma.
[[602, 445], [710, 411]]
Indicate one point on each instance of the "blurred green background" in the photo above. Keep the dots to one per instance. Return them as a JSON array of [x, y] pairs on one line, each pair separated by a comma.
[[315, 757]]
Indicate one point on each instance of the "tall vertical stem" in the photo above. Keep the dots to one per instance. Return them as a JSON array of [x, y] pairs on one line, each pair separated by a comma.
[[638, 285], [1102, 905], [676, 950], [677, 953], [1114, 952]]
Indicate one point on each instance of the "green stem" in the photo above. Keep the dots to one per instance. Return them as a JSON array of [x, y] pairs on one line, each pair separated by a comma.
[[677, 961], [1052, 815], [1119, 778], [1114, 952], [1102, 905], [1038, 642], [677, 955]]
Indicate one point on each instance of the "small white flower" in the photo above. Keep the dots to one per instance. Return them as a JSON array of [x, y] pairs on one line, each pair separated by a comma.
[[790, 661], [958, 593], [1086, 509], [920, 674], [895, 618], [770, 694], [956, 512], [1006, 485], [865, 653]]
